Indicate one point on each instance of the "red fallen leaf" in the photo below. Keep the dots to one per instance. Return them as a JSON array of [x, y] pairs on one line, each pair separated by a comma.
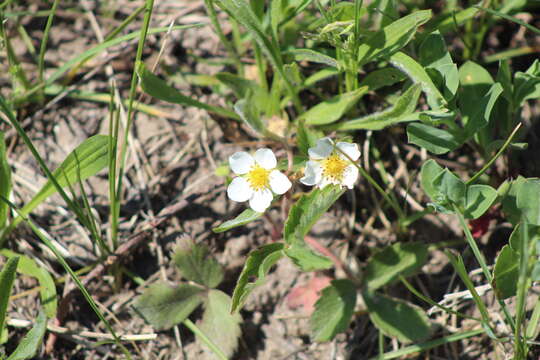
[[480, 226], [307, 295]]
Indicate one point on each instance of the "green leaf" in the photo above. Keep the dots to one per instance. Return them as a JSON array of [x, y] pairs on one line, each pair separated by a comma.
[[245, 217], [429, 172], [398, 259], [382, 77], [239, 85], [257, 265], [159, 89], [418, 75], [478, 200], [478, 118], [307, 210], [218, 324], [449, 188], [333, 310], [527, 84], [198, 265], [516, 237], [397, 318], [449, 21], [306, 259], [392, 37], [47, 287], [313, 56], [399, 112], [436, 59], [29, 345], [164, 306], [5, 181], [86, 160], [7, 276], [506, 273], [434, 140], [528, 200], [333, 109], [302, 216], [509, 199]]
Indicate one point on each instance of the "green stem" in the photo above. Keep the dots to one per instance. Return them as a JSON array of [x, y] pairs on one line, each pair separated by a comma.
[[480, 258], [43, 47], [149, 5], [494, 158]]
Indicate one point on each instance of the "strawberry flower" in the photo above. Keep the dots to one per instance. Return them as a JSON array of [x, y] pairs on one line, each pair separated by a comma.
[[327, 165], [258, 179]]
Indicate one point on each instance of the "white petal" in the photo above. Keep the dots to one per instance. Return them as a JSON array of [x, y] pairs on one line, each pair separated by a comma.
[[350, 149], [322, 149], [261, 200], [349, 176], [312, 173], [266, 158], [326, 181], [239, 190], [241, 162], [279, 182]]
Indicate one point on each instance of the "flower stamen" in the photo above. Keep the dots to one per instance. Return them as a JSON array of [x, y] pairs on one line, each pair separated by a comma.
[[334, 167], [258, 177]]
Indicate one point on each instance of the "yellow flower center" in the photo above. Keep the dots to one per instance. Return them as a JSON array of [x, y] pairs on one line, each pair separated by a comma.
[[334, 167], [258, 178]]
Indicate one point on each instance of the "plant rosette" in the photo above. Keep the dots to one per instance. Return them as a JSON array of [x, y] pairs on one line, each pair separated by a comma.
[[331, 163], [258, 179]]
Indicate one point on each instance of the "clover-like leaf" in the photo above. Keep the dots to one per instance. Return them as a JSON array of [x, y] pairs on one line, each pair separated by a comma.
[[197, 264]]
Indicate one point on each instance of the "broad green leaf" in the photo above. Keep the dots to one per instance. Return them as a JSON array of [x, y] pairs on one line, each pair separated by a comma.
[[509, 199], [429, 172], [479, 199], [434, 140], [313, 56], [333, 310], [5, 181], [198, 265], [333, 109], [86, 160], [307, 259], [47, 287], [449, 21], [257, 266], [449, 188], [307, 210], [31, 342], [218, 324], [7, 276], [239, 85], [506, 273], [164, 306], [528, 200], [517, 237], [159, 89], [436, 59], [399, 112], [392, 37], [397, 318], [320, 75], [382, 77], [478, 118], [527, 84], [249, 114], [417, 74], [398, 259], [245, 217]]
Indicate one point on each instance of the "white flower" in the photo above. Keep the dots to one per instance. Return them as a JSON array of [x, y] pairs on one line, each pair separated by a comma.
[[328, 165], [258, 179]]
